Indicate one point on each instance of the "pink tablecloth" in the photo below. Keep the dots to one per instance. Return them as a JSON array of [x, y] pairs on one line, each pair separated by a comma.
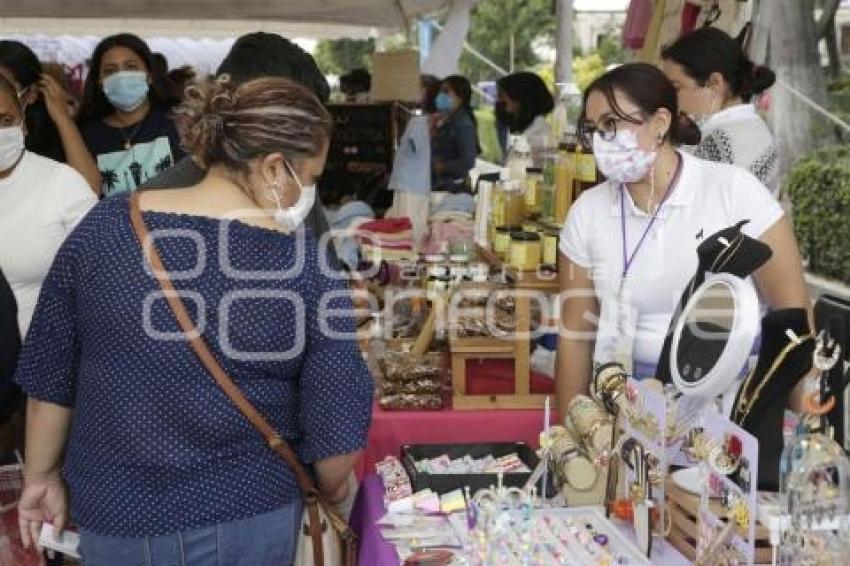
[[392, 429]]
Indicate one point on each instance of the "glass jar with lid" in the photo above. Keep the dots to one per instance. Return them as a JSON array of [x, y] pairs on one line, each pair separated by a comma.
[[525, 251], [513, 202]]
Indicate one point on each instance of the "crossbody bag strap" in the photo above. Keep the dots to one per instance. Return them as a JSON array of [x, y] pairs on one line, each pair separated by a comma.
[[273, 439]]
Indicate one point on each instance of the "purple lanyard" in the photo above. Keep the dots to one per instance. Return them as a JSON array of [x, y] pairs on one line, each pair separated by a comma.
[[627, 259]]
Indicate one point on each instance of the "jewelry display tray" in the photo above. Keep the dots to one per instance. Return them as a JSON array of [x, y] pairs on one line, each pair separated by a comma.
[[444, 483], [618, 543]]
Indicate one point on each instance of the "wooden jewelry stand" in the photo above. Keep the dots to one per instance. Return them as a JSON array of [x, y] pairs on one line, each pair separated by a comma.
[[518, 349]]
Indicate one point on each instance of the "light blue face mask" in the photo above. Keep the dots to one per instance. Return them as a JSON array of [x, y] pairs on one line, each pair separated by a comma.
[[126, 90], [444, 102]]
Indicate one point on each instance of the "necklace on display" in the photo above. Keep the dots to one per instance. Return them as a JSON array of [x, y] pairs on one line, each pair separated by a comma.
[[747, 401]]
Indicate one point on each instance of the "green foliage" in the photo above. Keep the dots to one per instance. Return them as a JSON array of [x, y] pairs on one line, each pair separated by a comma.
[[586, 69], [611, 50], [819, 187], [490, 150], [339, 56], [840, 84], [493, 23]]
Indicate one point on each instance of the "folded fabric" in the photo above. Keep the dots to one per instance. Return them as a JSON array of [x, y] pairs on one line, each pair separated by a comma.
[[458, 202], [407, 244], [450, 215], [342, 218], [387, 225], [380, 237], [377, 254]]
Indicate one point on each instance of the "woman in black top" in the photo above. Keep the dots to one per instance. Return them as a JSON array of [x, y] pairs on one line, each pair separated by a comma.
[[454, 135], [51, 130], [125, 114], [10, 345]]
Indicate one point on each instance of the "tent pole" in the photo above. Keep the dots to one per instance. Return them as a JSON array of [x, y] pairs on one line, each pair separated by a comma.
[[564, 41]]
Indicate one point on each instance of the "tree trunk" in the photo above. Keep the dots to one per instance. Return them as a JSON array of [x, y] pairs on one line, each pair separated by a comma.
[[795, 60], [564, 41]]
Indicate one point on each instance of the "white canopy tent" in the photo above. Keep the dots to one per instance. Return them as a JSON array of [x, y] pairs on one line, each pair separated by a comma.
[[362, 13], [198, 32]]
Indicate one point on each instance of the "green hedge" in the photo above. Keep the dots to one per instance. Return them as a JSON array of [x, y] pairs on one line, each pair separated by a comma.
[[819, 187]]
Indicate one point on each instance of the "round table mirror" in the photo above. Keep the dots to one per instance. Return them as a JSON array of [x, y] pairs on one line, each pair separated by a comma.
[[714, 336]]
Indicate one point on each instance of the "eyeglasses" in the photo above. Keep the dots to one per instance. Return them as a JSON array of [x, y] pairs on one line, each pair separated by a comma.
[[607, 127]]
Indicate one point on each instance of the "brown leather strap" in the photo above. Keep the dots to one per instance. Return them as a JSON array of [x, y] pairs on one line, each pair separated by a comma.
[[273, 439]]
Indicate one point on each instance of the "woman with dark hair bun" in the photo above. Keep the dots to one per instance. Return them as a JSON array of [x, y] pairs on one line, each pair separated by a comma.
[[454, 137], [50, 128], [124, 116], [638, 232], [715, 82]]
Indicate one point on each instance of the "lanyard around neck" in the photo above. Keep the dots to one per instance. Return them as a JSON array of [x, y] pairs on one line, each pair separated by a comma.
[[629, 259]]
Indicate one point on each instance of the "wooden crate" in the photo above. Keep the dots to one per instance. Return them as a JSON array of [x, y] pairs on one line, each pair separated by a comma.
[[683, 508]]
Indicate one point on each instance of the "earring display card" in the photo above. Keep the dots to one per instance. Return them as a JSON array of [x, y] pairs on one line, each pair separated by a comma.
[[730, 470], [644, 456]]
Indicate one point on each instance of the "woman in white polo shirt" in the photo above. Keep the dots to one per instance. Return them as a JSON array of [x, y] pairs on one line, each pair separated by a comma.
[[628, 247]]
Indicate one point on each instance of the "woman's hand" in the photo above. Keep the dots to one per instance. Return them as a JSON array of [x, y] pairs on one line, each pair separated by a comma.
[[44, 498], [55, 98]]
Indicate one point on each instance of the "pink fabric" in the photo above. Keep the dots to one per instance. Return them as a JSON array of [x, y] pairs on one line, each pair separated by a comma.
[[690, 15], [442, 232], [378, 242], [392, 429], [637, 23]]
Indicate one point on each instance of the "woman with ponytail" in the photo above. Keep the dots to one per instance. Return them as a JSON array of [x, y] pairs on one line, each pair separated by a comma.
[[715, 82], [454, 135]]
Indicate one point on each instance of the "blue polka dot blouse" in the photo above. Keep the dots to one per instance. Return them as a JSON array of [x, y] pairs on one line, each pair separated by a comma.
[[155, 446]]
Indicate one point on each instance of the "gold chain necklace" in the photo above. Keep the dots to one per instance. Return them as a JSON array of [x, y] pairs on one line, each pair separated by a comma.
[[745, 403]]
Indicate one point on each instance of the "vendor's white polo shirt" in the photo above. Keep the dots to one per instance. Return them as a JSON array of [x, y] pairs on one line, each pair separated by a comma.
[[709, 197]]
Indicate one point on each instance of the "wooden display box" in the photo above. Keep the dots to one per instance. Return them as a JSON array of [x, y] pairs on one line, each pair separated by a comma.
[[518, 349], [683, 508]]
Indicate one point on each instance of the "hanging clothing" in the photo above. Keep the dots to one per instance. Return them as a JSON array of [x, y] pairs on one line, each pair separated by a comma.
[[690, 15], [731, 14], [739, 136], [637, 23]]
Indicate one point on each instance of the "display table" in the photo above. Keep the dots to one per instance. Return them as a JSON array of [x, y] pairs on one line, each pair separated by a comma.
[[375, 551], [391, 430]]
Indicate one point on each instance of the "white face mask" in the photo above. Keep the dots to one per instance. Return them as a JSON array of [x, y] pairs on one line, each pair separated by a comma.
[[621, 159], [292, 217], [702, 119], [11, 146]]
